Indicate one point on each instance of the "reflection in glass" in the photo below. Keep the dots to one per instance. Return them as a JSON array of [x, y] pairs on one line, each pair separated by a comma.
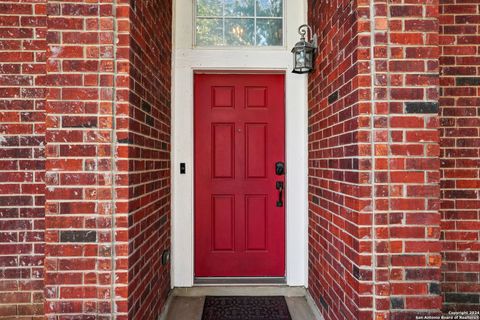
[[239, 8], [208, 8], [269, 32], [239, 32], [209, 32], [269, 8]]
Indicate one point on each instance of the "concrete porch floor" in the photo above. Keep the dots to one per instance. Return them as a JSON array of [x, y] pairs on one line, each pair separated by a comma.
[[187, 303]]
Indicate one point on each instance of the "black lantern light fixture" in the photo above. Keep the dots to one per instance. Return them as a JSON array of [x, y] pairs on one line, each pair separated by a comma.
[[304, 50]]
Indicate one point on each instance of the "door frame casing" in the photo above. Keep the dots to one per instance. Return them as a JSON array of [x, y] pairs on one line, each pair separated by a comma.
[[186, 62]]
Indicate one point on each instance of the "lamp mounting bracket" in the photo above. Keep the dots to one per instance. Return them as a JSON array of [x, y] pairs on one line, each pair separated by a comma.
[[306, 34]]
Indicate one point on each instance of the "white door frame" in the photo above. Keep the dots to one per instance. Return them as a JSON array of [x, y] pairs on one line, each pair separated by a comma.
[[188, 60]]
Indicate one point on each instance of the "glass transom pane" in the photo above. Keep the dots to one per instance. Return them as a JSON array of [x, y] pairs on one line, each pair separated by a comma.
[[209, 32], [240, 8], [242, 23], [209, 8], [269, 8], [239, 32], [269, 32]]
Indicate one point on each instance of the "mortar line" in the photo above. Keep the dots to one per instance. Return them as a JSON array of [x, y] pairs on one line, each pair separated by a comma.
[[372, 150], [113, 141]]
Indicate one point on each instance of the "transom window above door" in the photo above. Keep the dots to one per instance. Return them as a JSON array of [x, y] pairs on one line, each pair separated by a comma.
[[238, 23]]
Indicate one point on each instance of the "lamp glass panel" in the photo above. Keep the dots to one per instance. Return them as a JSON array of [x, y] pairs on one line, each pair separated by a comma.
[[300, 59], [308, 59]]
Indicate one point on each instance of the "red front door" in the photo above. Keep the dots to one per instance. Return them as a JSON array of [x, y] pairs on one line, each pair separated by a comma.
[[239, 138]]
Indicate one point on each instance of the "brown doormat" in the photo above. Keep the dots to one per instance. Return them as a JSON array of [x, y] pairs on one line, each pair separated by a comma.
[[245, 308]]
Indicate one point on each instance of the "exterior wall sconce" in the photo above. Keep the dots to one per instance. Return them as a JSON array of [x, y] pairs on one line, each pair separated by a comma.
[[304, 50]]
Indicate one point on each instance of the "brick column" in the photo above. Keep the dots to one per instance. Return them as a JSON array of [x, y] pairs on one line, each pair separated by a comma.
[[86, 222], [403, 122]]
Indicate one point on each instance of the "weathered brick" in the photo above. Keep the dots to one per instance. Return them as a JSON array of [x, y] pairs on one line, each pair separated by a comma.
[[78, 236], [397, 302], [323, 303], [333, 97], [434, 288], [462, 298], [467, 81], [421, 107]]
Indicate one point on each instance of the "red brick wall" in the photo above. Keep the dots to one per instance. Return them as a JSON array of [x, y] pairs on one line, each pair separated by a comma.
[[149, 156], [338, 224], [460, 148], [85, 147], [373, 160], [22, 130]]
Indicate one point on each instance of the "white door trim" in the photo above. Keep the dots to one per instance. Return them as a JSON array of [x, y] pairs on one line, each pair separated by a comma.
[[186, 61]]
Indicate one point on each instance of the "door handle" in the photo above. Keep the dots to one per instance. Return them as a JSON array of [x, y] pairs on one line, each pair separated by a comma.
[[279, 187]]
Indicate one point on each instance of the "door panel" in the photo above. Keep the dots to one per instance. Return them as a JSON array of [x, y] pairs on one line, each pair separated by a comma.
[[223, 222], [256, 150], [256, 212], [223, 150], [239, 136]]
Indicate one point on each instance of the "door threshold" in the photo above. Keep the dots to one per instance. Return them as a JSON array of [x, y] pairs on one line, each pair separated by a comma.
[[237, 281], [239, 290]]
